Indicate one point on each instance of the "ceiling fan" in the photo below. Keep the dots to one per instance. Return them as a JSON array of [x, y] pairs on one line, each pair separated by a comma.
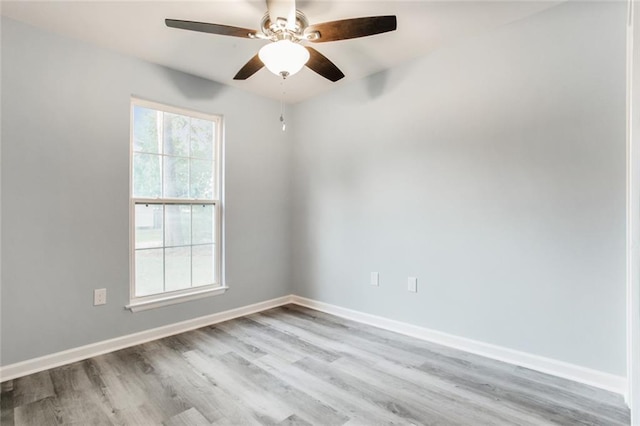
[[287, 29]]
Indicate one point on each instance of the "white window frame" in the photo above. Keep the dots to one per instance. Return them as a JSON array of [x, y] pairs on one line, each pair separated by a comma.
[[178, 296]]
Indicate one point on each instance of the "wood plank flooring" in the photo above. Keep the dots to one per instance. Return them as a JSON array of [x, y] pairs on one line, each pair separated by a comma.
[[296, 366]]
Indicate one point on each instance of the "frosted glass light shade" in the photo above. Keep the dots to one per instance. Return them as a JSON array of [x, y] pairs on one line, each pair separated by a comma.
[[283, 57]]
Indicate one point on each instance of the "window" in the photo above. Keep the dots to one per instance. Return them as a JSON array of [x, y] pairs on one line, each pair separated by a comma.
[[175, 205]]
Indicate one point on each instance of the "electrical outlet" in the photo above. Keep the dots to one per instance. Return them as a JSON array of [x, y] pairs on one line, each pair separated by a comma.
[[375, 279], [99, 296], [412, 285]]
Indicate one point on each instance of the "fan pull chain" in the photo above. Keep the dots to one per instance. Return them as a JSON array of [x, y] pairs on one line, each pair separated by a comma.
[[284, 124]]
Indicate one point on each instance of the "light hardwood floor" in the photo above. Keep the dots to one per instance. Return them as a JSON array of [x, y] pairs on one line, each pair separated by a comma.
[[293, 365]]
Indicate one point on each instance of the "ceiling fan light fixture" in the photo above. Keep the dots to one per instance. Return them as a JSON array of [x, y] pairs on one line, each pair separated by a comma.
[[283, 57]]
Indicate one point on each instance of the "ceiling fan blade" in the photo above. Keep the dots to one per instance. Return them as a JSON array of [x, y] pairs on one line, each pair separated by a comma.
[[283, 9], [250, 68], [352, 28], [320, 64], [205, 27]]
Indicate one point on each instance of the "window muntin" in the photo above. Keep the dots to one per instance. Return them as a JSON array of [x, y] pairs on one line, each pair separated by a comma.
[[175, 206]]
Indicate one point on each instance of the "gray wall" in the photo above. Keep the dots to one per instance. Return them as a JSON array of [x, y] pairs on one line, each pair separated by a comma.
[[65, 177], [634, 228], [494, 171]]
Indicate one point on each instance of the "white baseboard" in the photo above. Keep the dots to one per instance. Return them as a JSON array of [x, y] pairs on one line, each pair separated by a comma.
[[610, 382], [46, 362], [573, 372]]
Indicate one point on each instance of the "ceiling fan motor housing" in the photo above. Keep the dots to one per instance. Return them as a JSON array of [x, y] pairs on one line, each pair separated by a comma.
[[281, 30]]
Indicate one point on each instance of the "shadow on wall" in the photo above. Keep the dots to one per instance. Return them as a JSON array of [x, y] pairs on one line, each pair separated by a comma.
[[194, 87], [379, 84], [376, 83]]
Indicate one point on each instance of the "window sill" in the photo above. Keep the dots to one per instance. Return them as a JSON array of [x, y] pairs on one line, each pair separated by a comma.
[[172, 300]]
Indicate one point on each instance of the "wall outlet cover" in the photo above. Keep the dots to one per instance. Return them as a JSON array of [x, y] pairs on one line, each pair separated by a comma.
[[412, 284], [375, 279], [99, 296]]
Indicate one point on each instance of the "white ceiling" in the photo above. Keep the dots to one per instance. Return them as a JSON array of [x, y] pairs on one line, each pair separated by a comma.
[[136, 28]]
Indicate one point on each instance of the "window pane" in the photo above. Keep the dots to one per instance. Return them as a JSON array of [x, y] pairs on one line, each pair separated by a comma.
[[176, 135], [202, 179], [203, 223], [177, 268], [146, 175], [176, 177], [177, 225], [173, 161], [203, 265], [148, 225], [145, 130], [202, 138], [149, 272]]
